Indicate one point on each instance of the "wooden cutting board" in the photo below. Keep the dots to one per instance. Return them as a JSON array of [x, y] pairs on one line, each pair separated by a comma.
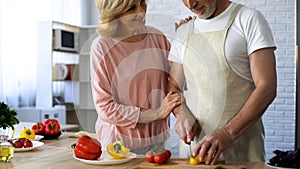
[[179, 163]]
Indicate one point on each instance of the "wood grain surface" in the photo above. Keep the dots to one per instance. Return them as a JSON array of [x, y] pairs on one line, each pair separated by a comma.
[[179, 163], [57, 154]]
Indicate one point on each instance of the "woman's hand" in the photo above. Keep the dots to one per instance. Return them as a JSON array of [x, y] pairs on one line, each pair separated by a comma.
[[213, 145], [172, 100], [182, 21]]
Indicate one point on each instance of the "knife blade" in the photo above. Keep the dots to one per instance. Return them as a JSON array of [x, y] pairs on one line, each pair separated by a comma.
[[191, 154]]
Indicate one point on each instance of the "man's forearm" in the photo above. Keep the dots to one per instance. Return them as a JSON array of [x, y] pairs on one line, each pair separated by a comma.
[[252, 111], [174, 89], [176, 111], [265, 81]]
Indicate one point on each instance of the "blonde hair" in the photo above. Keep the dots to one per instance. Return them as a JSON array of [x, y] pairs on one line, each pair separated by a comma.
[[108, 10]]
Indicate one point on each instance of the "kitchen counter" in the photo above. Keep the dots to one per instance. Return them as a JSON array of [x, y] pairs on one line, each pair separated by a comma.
[[57, 153]]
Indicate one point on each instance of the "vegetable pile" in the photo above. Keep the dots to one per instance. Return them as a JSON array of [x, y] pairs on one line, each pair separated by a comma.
[[21, 142], [49, 128], [289, 158]]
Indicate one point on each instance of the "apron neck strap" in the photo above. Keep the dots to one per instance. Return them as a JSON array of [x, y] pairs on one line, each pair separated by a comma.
[[229, 22], [233, 15]]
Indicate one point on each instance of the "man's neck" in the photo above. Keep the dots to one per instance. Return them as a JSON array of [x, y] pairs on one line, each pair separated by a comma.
[[220, 7]]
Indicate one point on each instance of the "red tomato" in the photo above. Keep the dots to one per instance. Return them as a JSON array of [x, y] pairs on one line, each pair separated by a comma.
[[22, 140], [18, 144], [168, 153], [150, 157], [27, 144], [161, 158]]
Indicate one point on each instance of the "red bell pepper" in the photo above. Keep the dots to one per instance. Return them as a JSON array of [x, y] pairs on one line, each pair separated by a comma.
[[87, 148], [47, 121], [52, 128], [38, 128]]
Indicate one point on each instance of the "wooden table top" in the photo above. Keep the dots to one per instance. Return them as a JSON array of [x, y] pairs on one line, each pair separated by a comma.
[[57, 154]]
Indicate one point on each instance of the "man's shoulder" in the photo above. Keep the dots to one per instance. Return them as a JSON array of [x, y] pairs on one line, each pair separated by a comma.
[[247, 11]]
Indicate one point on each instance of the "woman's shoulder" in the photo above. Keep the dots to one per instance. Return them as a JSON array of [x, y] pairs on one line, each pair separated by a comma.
[[153, 29], [100, 40], [157, 37], [155, 32], [102, 45]]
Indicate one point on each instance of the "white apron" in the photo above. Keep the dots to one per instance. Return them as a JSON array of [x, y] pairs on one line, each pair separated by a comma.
[[215, 93]]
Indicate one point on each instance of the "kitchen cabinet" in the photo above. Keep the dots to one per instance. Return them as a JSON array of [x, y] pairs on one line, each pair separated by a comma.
[[74, 92], [85, 109], [52, 90]]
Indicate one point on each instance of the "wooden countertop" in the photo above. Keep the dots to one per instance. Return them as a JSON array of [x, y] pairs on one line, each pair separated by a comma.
[[57, 154]]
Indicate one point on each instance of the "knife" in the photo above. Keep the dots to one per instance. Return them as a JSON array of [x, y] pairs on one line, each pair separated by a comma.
[[191, 154]]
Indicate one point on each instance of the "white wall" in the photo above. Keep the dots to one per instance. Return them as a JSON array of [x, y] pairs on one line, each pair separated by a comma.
[[94, 15], [75, 12]]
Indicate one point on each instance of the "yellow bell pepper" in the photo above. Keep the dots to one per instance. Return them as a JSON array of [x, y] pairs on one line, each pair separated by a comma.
[[195, 160], [117, 150], [27, 133]]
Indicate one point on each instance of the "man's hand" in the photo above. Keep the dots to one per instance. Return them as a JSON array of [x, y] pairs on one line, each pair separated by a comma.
[[186, 125], [213, 145]]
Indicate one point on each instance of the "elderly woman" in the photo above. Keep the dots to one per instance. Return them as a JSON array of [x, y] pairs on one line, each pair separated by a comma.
[[129, 70]]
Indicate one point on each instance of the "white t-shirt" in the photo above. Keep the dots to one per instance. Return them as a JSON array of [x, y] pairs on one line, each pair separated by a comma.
[[248, 33]]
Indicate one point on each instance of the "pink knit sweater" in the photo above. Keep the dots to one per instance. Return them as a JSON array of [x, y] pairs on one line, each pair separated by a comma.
[[125, 78]]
